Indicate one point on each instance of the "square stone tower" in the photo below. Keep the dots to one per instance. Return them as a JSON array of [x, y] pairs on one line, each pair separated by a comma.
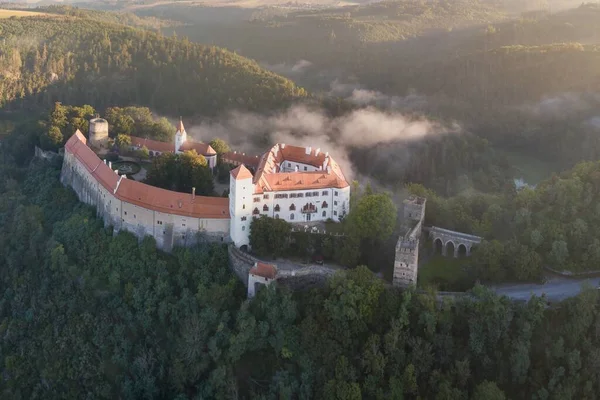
[[406, 264]]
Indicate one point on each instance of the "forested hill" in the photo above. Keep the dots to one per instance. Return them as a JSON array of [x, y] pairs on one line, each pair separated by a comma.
[[75, 60]]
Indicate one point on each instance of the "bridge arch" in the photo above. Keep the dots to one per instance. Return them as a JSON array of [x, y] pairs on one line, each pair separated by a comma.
[[453, 244], [438, 246]]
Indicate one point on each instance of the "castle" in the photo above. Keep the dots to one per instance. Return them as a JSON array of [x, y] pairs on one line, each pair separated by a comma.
[[297, 184]]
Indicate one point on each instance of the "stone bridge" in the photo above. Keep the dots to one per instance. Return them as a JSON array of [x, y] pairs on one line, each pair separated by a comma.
[[451, 242]]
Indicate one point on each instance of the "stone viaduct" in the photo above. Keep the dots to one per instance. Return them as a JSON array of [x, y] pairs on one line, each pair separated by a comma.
[[453, 243]]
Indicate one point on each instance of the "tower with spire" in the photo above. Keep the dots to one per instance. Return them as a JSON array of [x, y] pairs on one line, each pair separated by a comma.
[[180, 136]]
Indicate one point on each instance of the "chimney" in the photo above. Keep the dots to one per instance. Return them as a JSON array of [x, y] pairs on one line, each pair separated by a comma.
[[308, 150], [282, 145], [117, 171], [104, 161], [110, 164], [317, 151], [193, 193]]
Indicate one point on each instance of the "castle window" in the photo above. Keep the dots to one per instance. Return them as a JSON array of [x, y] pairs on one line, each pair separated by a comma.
[[324, 213], [309, 194], [289, 164], [182, 224], [292, 195], [257, 199], [315, 194], [336, 193], [324, 205], [255, 212], [325, 193], [244, 218], [243, 206], [265, 208], [125, 212], [305, 168], [335, 213], [300, 194], [277, 208], [335, 203], [243, 228], [158, 222], [276, 216], [134, 216], [292, 207], [291, 216], [265, 196]]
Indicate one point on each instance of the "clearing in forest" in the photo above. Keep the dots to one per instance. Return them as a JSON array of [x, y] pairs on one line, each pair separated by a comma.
[[19, 13]]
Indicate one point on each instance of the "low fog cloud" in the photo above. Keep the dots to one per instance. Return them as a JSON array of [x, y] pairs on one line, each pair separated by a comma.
[[303, 126], [358, 94], [564, 105]]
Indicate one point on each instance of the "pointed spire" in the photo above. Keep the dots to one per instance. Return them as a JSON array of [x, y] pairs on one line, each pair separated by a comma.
[[180, 127]]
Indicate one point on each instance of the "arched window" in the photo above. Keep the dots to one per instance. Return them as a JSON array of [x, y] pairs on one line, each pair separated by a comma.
[[243, 228], [277, 208], [324, 205], [324, 213], [276, 216], [292, 207], [255, 212], [292, 216], [265, 208]]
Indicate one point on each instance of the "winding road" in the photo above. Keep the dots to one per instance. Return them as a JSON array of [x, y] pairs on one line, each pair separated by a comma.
[[556, 289]]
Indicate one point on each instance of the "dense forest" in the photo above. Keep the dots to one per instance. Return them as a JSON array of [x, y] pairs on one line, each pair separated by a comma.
[[86, 313], [79, 60]]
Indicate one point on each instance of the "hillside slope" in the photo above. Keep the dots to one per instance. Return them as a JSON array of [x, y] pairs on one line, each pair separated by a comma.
[[43, 60]]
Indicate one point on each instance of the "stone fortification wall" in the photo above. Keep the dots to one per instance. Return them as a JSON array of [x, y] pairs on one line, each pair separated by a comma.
[[241, 263], [169, 230]]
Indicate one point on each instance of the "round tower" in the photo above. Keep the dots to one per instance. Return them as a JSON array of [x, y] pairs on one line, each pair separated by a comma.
[[98, 133]]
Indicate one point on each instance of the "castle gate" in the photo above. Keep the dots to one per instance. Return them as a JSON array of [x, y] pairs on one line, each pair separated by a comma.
[[453, 243]]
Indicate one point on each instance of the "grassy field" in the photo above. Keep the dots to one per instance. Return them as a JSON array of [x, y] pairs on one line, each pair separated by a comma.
[[19, 13], [444, 273]]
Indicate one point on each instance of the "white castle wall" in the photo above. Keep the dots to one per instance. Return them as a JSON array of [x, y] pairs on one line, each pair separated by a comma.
[[167, 229]]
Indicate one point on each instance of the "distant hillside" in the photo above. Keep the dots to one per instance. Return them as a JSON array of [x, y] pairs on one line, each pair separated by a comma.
[[80, 60]]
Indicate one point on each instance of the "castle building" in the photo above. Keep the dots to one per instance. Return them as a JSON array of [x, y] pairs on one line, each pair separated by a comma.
[[156, 148], [297, 184]]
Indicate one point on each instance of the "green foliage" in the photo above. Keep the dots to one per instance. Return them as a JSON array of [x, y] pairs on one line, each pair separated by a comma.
[[82, 59], [123, 141], [62, 122], [181, 173], [89, 313], [220, 146], [374, 218], [269, 236]]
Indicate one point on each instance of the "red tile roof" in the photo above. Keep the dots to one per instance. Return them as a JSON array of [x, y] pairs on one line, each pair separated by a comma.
[[240, 158], [241, 172], [153, 145], [264, 270], [267, 177], [143, 195], [201, 148]]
